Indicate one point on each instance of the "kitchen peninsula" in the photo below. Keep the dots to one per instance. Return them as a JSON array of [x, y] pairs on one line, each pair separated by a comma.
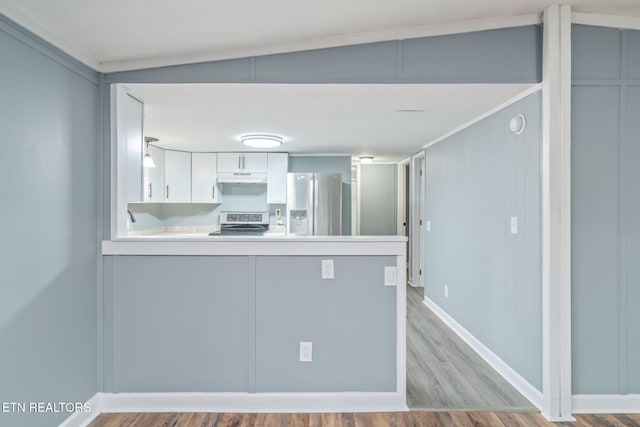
[[219, 323]]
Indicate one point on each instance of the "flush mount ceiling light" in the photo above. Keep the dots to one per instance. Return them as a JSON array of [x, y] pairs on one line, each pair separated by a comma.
[[147, 161], [261, 141], [517, 124], [365, 160]]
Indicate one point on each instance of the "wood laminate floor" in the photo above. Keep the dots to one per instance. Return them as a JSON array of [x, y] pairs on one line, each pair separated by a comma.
[[444, 373], [399, 419]]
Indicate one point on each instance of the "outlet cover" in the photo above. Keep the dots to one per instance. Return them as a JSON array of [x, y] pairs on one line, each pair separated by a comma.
[[306, 351], [389, 276], [328, 269], [514, 225], [446, 291], [428, 225]]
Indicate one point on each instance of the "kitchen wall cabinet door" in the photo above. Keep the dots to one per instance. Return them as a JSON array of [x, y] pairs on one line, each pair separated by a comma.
[[242, 162], [177, 176], [154, 177], [204, 188], [254, 162], [278, 164]]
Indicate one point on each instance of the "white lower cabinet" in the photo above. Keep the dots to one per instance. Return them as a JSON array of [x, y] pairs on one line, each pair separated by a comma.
[[204, 188], [177, 176]]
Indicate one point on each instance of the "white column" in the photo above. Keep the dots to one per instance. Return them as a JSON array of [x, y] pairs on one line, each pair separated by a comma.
[[556, 214]]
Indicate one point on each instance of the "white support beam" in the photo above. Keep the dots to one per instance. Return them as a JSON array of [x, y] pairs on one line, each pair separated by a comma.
[[556, 214]]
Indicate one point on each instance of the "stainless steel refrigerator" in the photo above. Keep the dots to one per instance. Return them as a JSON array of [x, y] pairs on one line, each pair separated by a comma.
[[314, 204]]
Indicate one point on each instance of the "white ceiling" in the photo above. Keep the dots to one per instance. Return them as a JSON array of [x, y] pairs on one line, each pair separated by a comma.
[[356, 119], [126, 34], [328, 118]]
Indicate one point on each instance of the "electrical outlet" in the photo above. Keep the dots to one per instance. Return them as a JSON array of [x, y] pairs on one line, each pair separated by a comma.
[[306, 351], [328, 269], [446, 291], [514, 225], [390, 276]]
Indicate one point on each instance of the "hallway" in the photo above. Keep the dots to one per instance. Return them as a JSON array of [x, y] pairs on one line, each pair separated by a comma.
[[444, 373]]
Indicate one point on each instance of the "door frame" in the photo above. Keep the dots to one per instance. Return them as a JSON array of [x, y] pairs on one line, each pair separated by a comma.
[[417, 207]]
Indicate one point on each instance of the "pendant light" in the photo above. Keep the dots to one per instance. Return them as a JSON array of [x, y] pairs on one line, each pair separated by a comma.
[[147, 161]]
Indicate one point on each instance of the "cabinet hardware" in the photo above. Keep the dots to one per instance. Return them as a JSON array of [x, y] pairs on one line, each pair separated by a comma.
[[243, 159], [213, 191], [150, 191], [420, 272], [239, 160], [167, 191]]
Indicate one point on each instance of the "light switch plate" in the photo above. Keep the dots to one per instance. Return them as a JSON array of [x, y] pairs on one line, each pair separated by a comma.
[[390, 276], [328, 269], [306, 351], [514, 225], [428, 225]]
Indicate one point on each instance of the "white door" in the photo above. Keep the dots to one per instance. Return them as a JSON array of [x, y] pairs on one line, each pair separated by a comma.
[[417, 227], [177, 176]]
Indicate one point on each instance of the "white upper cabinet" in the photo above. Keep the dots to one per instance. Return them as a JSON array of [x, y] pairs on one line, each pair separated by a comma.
[[177, 176], [154, 177], [204, 187], [245, 163], [278, 164]]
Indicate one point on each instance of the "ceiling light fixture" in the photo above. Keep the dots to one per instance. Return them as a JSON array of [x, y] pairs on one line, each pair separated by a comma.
[[365, 160], [147, 161], [261, 141]]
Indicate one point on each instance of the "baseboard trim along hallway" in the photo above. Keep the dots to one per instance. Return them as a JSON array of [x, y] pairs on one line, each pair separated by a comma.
[[509, 374]]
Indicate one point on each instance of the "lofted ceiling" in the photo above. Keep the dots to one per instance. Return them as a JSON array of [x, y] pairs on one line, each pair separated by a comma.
[[120, 35], [389, 122], [127, 34]]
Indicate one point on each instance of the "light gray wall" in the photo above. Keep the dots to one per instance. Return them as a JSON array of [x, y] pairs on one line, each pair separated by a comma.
[[378, 199], [605, 208], [49, 132], [476, 180], [510, 55], [329, 164], [234, 324]]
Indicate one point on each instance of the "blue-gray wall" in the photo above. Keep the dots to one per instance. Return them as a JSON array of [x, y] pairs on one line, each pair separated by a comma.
[[50, 126], [509, 55], [475, 181], [378, 199], [329, 164], [605, 184], [234, 324]]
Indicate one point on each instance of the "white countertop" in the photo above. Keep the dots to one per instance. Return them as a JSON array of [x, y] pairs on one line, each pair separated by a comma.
[[203, 244]]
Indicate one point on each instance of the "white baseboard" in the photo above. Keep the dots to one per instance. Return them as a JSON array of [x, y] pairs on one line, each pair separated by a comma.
[[82, 419], [254, 402], [606, 403], [507, 372]]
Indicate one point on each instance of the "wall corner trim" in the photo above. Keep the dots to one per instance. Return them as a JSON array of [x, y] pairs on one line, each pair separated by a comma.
[[606, 403], [81, 419], [507, 372]]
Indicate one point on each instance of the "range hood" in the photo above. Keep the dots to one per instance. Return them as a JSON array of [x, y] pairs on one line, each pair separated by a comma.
[[242, 177]]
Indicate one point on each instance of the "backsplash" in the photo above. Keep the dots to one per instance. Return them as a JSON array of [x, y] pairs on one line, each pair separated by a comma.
[[154, 218]]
